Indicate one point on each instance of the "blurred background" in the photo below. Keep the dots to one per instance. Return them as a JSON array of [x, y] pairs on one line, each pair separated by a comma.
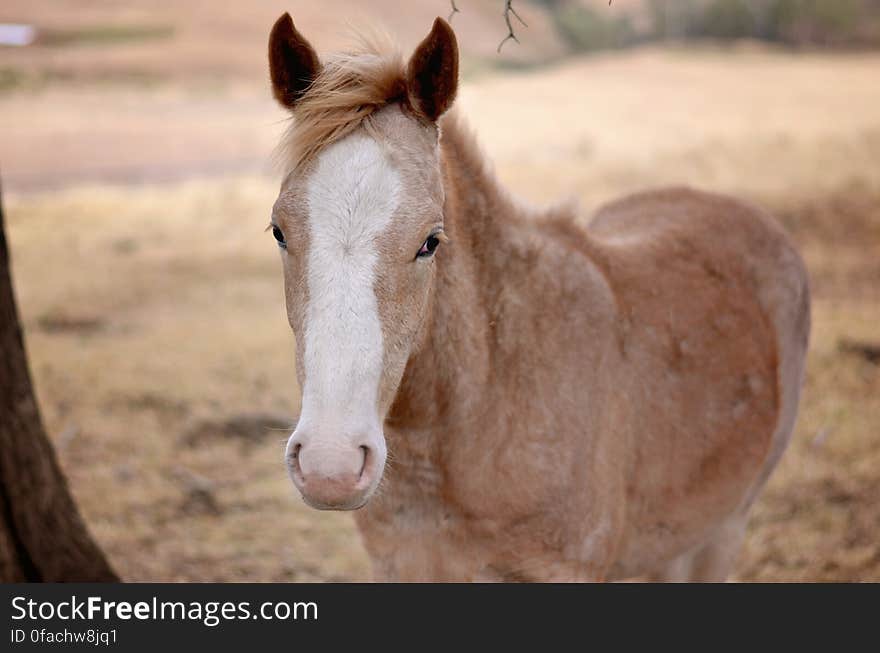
[[135, 152]]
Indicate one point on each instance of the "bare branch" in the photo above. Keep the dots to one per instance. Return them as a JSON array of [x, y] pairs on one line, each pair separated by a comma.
[[455, 10], [508, 12]]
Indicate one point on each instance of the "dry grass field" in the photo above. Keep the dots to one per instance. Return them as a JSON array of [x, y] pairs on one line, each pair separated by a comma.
[[153, 306]]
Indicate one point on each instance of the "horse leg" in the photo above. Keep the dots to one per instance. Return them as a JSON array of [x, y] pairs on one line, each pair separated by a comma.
[[715, 560], [677, 570], [710, 563]]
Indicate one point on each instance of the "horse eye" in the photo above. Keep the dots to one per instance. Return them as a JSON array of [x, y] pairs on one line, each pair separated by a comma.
[[428, 246], [279, 236]]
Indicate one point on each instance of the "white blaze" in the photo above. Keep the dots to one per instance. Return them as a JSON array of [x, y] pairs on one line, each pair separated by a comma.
[[351, 197]]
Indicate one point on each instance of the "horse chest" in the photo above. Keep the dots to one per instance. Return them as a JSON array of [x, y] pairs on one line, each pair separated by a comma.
[[462, 524], [417, 546], [411, 541]]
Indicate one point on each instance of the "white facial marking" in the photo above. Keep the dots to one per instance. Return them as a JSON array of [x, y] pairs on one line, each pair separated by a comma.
[[351, 198]]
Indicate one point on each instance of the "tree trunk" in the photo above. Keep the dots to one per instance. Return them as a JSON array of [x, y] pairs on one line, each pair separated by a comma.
[[42, 536]]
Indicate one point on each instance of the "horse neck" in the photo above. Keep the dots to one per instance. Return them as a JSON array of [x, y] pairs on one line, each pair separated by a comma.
[[447, 378]]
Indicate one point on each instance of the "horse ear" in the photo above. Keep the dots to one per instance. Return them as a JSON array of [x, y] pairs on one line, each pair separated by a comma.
[[432, 73], [293, 62]]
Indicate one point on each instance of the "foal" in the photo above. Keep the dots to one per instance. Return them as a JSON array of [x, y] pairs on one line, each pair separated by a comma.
[[555, 402]]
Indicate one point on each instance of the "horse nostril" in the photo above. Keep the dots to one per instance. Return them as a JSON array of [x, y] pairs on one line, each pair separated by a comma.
[[365, 451], [294, 464]]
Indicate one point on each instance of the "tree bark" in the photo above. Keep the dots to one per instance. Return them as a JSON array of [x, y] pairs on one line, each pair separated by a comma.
[[42, 535]]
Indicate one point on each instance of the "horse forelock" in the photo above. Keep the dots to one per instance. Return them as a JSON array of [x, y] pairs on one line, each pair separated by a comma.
[[349, 89]]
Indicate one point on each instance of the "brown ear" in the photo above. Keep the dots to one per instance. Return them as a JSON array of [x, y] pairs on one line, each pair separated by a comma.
[[432, 73], [293, 63]]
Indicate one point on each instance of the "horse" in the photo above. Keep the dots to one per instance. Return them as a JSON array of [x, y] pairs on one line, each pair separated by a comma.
[[507, 393]]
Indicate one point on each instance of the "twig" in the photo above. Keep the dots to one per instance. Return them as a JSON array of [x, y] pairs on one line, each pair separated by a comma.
[[508, 11], [455, 10]]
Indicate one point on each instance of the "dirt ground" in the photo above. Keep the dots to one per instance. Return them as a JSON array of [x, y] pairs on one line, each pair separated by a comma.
[[153, 305]]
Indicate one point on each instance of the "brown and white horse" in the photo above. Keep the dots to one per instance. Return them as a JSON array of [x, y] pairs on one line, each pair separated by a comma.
[[533, 399]]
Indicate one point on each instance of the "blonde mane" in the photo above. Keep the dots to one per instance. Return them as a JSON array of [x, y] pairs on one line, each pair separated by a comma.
[[349, 89]]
